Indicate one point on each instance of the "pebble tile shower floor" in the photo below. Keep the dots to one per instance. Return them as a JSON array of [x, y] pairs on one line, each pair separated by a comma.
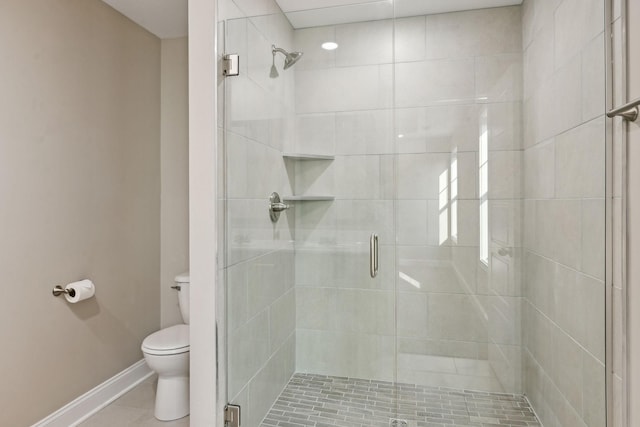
[[322, 401]]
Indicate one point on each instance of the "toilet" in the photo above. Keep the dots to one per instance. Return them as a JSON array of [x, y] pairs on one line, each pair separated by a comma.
[[167, 353]]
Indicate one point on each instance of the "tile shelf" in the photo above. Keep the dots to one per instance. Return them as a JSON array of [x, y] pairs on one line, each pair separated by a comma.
[[304, 156], [307, 198]]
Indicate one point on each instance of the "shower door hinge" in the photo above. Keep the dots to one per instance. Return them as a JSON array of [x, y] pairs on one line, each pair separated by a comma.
[[231, 65], [232, 416]]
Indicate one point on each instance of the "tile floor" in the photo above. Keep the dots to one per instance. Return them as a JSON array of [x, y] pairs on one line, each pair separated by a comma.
[[133, 409], [321, 401]]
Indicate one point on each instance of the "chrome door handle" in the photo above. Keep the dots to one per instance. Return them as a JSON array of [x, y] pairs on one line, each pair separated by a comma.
[[373, 255]]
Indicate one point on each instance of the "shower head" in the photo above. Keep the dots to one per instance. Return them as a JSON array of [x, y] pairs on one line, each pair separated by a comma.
[[289, 58]]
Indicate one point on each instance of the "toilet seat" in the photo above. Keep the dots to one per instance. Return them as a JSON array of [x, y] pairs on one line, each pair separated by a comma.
[[168, 341]]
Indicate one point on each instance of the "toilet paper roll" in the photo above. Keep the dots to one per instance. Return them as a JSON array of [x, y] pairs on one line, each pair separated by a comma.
[[82, 290]]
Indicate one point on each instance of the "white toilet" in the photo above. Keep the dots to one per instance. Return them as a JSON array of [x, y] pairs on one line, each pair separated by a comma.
[[167, 353]]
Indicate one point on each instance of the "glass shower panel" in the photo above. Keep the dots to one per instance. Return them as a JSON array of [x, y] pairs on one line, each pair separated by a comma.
[[458, 100], [259, 254]]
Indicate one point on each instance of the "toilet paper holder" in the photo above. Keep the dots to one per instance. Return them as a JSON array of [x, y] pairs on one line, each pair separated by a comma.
[[59, 290]]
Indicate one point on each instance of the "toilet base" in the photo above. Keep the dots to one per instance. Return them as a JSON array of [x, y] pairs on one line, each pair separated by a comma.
[[172, 398]]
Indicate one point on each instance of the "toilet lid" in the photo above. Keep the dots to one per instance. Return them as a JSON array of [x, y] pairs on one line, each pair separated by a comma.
[[171, 340]]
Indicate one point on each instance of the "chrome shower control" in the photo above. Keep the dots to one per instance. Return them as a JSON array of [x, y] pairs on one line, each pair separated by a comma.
[[279, 207], [276, 206]]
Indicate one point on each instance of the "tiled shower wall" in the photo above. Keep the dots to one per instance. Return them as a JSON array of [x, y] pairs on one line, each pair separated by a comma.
[[259, 268], [564, 210], [409, 164]]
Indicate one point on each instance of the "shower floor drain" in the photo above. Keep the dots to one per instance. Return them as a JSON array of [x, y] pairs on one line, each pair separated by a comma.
[[393, 422]]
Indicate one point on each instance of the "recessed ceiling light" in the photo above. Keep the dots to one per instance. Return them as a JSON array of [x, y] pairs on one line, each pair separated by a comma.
[[329, 45], [401, 136]]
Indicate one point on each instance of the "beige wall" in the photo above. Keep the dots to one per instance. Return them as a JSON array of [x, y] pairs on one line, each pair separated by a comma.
[[79, 191], [174, 159]]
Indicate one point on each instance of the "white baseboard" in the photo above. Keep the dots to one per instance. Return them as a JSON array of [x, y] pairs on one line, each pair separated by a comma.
[[97, 398]]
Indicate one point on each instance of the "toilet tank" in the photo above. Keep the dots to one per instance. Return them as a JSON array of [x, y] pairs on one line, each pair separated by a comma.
[[183, 280]]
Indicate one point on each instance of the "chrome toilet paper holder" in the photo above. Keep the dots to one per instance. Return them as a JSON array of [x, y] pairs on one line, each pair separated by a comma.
[[59, 290]]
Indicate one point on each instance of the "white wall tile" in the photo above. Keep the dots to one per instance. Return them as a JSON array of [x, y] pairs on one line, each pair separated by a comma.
[[266, 386], [315, 308], [282, 320], [539, 170], [412, 222], [536, 14], [364, 132], [468, 222], [504, 121], [249, 347], [478, 32], [365, 311], [309, 41], [456, 317], [505, 174], [236, 277], [594, 401], [504, 321], [412, 314], [357, 219], [564, 90], [593, 79], [567, 373], [539, 288], [315, 134], [410, 39], [566, 98], [343, 89], [364, 43], [357, 177], [345, 353], [580, 161], [593, 237], [538, 63], [452, 81], [499, 78], [576, 23]]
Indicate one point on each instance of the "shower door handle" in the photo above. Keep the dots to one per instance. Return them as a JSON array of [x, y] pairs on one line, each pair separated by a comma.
[[373, 255]]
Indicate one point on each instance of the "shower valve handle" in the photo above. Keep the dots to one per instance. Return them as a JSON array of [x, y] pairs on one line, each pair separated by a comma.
[[276, 206], [279, 207]]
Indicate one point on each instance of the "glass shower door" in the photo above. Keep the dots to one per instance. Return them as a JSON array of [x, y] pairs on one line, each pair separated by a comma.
[[459, 145]]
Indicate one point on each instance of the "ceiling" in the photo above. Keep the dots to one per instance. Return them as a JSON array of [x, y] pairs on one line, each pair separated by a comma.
[[315, 13], [168, 18]]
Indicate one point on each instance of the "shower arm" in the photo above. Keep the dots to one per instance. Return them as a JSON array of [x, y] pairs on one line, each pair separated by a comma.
[[275, 49]]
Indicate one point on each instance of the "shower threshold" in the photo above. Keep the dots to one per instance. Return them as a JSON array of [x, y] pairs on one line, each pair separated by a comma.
[[311, 400]]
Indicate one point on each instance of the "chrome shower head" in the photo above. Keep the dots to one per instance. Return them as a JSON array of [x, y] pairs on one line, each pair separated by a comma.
[[289, 58]]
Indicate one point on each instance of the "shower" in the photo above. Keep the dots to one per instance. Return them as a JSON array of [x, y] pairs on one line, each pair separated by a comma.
[[289, 59]]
